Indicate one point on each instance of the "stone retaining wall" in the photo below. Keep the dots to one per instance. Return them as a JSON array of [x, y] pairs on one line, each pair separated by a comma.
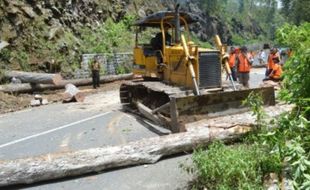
[[111, 64]]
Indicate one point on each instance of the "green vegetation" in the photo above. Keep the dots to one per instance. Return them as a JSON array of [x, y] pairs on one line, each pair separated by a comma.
[[295, 127], [296, 12], [238, 40], [109, 37], [230, 167], [255, 103], [64, 47], [246, 19], [200, 43], [297, 80], [122, 69], [282, 144], [22, 59]]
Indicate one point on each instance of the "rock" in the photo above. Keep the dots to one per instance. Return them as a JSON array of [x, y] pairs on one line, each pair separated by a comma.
[[13, 10], [44, 102], [55, 31], [38, 97], [29, 12], [141, 13], [15, 81], [7, 32], [34, 103], [56, 12], [3, 44]]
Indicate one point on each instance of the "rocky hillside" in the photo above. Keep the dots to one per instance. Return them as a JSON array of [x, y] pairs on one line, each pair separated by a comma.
[[50, 35]]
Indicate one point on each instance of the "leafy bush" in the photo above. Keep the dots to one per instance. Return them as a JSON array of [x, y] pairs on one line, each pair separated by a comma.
[[238, 40], [287, 141], [107, 38], [297, 68], [283, 143], [292, 137], [230, 167], [22, 58], [255, 102], [122, 69]]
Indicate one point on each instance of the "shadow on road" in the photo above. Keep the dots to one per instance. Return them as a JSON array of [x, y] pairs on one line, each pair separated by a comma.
[[160, 131]]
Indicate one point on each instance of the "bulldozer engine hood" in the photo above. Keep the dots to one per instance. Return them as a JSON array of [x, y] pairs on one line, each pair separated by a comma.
[[154, 20]]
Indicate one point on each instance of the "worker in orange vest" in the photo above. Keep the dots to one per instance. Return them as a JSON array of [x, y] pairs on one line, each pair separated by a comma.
[[244, 66], [274, 55], [232, 62], [276, 73]]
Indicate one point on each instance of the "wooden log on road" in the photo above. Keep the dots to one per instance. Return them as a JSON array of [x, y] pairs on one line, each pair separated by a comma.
[[146, 151], [35, 78], [72, 93], [28, 88]]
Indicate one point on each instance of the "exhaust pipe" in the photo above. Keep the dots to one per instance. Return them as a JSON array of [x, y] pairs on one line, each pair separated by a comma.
[[177, 23]]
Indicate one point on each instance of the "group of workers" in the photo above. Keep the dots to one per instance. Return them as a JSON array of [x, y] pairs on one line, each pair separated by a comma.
[[240, 62]]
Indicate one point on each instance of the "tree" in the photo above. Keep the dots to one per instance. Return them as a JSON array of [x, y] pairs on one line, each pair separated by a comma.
[[296, 11], [211, 6], [241, 6], [297, 68]]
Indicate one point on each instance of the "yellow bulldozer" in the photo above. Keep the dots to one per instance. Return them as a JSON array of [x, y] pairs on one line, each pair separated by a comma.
[[181, 82]]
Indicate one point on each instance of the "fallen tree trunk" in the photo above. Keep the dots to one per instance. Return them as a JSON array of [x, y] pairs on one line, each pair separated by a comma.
[[146, 151], [28, 88], [72, 93], [35, 78]]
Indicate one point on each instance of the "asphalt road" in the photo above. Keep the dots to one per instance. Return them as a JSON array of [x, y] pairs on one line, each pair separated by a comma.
[[97, 122], [69, 127]]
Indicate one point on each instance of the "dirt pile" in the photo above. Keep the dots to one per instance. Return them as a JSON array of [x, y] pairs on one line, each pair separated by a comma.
[[9, 103]]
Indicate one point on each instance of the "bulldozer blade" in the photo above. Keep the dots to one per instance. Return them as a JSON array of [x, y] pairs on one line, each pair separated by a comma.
[[185, 109]]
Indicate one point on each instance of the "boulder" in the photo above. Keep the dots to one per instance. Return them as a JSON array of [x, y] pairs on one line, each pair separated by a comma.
[[29, 12], [3, 44]]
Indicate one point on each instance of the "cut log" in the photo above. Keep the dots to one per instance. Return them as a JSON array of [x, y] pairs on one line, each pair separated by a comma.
[[146, 151], [73, 94], [35, 78], [44, 102], [28, 88]]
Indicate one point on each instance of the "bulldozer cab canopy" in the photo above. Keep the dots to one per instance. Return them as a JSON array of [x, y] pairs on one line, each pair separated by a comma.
[[154, 20]]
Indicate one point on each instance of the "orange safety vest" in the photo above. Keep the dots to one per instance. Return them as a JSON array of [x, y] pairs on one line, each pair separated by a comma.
[[244, 65], [270, 60], [232, 60], [276, 71]]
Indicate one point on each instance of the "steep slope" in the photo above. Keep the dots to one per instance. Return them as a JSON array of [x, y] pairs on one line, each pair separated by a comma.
[[51, 35]]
